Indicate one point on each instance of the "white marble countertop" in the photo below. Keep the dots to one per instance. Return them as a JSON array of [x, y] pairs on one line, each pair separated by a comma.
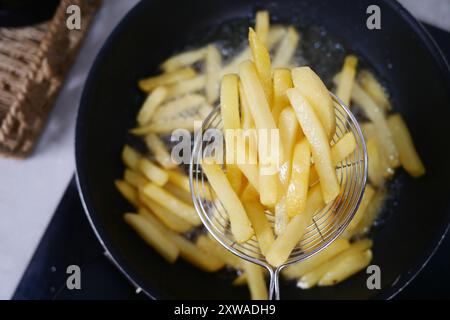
[[31, 189]]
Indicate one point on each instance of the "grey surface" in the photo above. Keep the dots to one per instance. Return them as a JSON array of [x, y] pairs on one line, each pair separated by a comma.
[[30, 190]]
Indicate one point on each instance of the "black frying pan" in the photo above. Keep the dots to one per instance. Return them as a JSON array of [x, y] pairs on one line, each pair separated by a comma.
[[402, 54]]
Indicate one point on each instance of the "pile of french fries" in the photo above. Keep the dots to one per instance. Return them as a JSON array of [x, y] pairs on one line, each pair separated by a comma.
[[256, 91]]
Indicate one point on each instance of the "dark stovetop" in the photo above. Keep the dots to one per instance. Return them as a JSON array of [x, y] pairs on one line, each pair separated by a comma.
[[69, 240]]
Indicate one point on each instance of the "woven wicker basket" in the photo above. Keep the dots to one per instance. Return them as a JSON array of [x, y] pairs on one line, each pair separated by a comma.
[[33, 63]]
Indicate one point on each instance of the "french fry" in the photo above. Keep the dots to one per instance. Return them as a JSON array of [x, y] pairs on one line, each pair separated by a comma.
[[204, 111], [178, 192], [262, 26], [299, 182], [313, 89], [169, 110], [128, 192], [359, 215], [167, 200], [409, 157], [276, 33], [256, 281], [311, 278], [246, 116], [131, 157], [371, 85], [282, 81], [190, 85], [372, 211], [135, 178], [247, 162], [295, 230], [159, 150], [153, 172], [166, 127], [376, 169], [148, 84], [346, 268], [179, 179], [229, 107], [261, 60], [368, 130], [211, 246], [213, 67], [290, 133], [347, 78], [153, 100], [286, 49], [281, 217], [375, 114], [318, 140], [260, 110], [249, 193], [168, 218], [297, 270], [183, 59], [153, 236], [263, 230], [240, 224], [196, 256]]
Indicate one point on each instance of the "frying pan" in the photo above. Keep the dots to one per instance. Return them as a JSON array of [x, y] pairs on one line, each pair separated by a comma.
[[402, 54]]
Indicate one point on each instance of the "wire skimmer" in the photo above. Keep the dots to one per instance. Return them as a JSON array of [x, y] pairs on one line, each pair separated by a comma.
[[327, 223]]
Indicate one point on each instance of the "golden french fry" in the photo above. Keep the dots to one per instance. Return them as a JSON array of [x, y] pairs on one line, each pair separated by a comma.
[[196, 256], [166, 127], [148, 84], [153, 172], [229, 107], [316, 135], [240, 224], [299, 269], [276, 33], [368, 130], [256, 281], [346, 268], [179, 179], [263, 230], [295, 230], [131, 157], [313, 89], [359, 215], [128, 192], [343, 148], [376, 169], [372, 211], [286, 49], [311, 278], [204, 111], [167, 200], [281, 217], [183, 59], [262, 26], [260, 110], [347, 78], [375, 114], [246, 116], [290, 133], [409, 157], [135, 178], [211, 246], [247, 162], [159, 150], [166, 216], [171, 109], [249, 193], [153, 100], [213, 67], [371, 85], [190, 85], [261, 60], [178, 192], [299, 182], [153, 236], [282, 81]]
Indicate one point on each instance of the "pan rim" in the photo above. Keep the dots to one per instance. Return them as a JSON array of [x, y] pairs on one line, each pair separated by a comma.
[[388, 293]]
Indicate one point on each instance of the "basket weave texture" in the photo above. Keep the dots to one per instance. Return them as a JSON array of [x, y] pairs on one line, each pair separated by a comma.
[[33, 63]]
